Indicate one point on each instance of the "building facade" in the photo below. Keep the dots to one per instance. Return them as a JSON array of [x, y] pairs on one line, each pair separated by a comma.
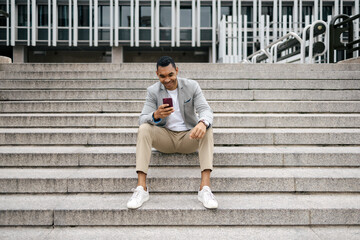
[[141, 31]]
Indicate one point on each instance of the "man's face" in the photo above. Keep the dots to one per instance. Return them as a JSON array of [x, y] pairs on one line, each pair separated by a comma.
[[168, 76]]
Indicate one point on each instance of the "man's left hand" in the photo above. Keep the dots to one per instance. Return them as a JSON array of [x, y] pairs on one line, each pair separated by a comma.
[[198, 132]]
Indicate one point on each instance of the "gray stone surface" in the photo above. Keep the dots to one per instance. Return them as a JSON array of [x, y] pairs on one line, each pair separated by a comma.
[[233, 120], [185, 209], [204, 84], [37, 156], [217, 106], [230, 179], [59, 67], [317, 95], [127, 136], [182, 232], [299, 95], [287, 168], [195, 74], [334, 233]]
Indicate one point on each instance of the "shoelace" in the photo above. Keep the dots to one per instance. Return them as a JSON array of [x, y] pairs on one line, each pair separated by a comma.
[[209, 194], [135, 194]]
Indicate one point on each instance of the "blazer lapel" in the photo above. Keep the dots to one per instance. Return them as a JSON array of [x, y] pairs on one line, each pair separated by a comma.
[[181, 97], [163, 94]]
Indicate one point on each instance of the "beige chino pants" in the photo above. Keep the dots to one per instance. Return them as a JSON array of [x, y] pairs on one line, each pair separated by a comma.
[[167, 141]]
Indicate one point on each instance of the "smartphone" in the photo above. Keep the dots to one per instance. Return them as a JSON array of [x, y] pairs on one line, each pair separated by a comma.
[[168, 101]]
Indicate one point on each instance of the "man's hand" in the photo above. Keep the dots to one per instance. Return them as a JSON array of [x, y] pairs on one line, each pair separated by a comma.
[[198, 132], [163, 111]]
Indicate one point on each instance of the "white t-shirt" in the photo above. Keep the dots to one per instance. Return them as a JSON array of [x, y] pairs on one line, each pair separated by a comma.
[[175, 121]]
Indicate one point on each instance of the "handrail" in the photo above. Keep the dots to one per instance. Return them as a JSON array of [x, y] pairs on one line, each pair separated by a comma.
[[336, 31], [277, 41], [309, 33], [311, 40], [352, 18]]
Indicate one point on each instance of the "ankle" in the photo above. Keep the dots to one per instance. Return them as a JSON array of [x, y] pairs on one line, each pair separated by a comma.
[[144, 186]]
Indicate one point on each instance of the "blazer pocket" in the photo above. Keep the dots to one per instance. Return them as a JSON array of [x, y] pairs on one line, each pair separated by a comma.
[[187, 100]]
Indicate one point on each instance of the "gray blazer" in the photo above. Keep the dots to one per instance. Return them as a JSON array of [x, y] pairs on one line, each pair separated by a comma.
[[193, 105]]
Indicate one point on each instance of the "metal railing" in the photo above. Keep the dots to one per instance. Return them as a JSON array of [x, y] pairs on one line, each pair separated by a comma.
[[338, 32], [295, 48]]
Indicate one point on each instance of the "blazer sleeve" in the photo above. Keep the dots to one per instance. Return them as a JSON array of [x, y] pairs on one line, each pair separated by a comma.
[[149, 108], [201, 105]]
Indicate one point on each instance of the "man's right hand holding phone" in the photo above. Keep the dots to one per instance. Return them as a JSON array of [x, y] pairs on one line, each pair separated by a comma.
[[163, 111]]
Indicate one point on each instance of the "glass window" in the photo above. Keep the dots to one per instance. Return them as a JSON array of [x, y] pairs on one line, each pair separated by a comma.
[[43, 15], [83, 34], [124, 16], [145, 16], [124, 34], [267, 10], [144, 34], [287, 10], [22, 34], [247, 10], [165, 35], [22, 15], [307, 11], [165, 16], [206, 34], [226, 10], [2, 34], [104, 34], [104, 17], [347, 10], [63, 15], [43, 34], [185, 34], [83, 16], [3, 20], [205, 16], [63, 34], [185, 17], [327, 11]]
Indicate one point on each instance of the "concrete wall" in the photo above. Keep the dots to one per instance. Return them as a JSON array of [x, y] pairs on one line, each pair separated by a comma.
[[19, 54]]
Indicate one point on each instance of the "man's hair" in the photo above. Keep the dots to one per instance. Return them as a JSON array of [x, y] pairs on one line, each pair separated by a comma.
[[164, 61]]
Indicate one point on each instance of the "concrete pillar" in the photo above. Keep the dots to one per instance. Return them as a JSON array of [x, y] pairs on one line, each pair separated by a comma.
[[19, 54], [117, 54]]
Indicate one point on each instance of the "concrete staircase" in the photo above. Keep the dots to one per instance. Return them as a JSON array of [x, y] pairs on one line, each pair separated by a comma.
[[287, 154]]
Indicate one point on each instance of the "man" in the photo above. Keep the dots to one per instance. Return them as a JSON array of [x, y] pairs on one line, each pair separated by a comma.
[[174, 129]]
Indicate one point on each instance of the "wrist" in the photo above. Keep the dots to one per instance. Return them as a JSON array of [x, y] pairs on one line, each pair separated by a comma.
[[155, 116], [203, 122]]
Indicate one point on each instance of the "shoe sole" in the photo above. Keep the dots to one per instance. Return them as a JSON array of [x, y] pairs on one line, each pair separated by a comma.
[[145, 200], [206, 206]]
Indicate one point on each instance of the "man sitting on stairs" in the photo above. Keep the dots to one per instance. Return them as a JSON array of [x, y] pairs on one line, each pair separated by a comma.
[[176, 129]]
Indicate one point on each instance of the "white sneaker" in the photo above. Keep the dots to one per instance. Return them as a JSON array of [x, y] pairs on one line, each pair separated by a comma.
[[207, 198], [138, 198]]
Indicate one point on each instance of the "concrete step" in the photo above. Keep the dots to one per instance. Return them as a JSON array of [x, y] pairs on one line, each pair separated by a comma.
[[87, 120], [180, 210], [298, 95], [207, 73], [179, 179], [59, 67], [204, 84], [182, 232], [81, 67], [263, 156], [217, 106], [127, 136]]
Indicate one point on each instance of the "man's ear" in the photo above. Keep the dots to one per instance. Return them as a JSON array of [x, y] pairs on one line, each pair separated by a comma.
[[177, 70]]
